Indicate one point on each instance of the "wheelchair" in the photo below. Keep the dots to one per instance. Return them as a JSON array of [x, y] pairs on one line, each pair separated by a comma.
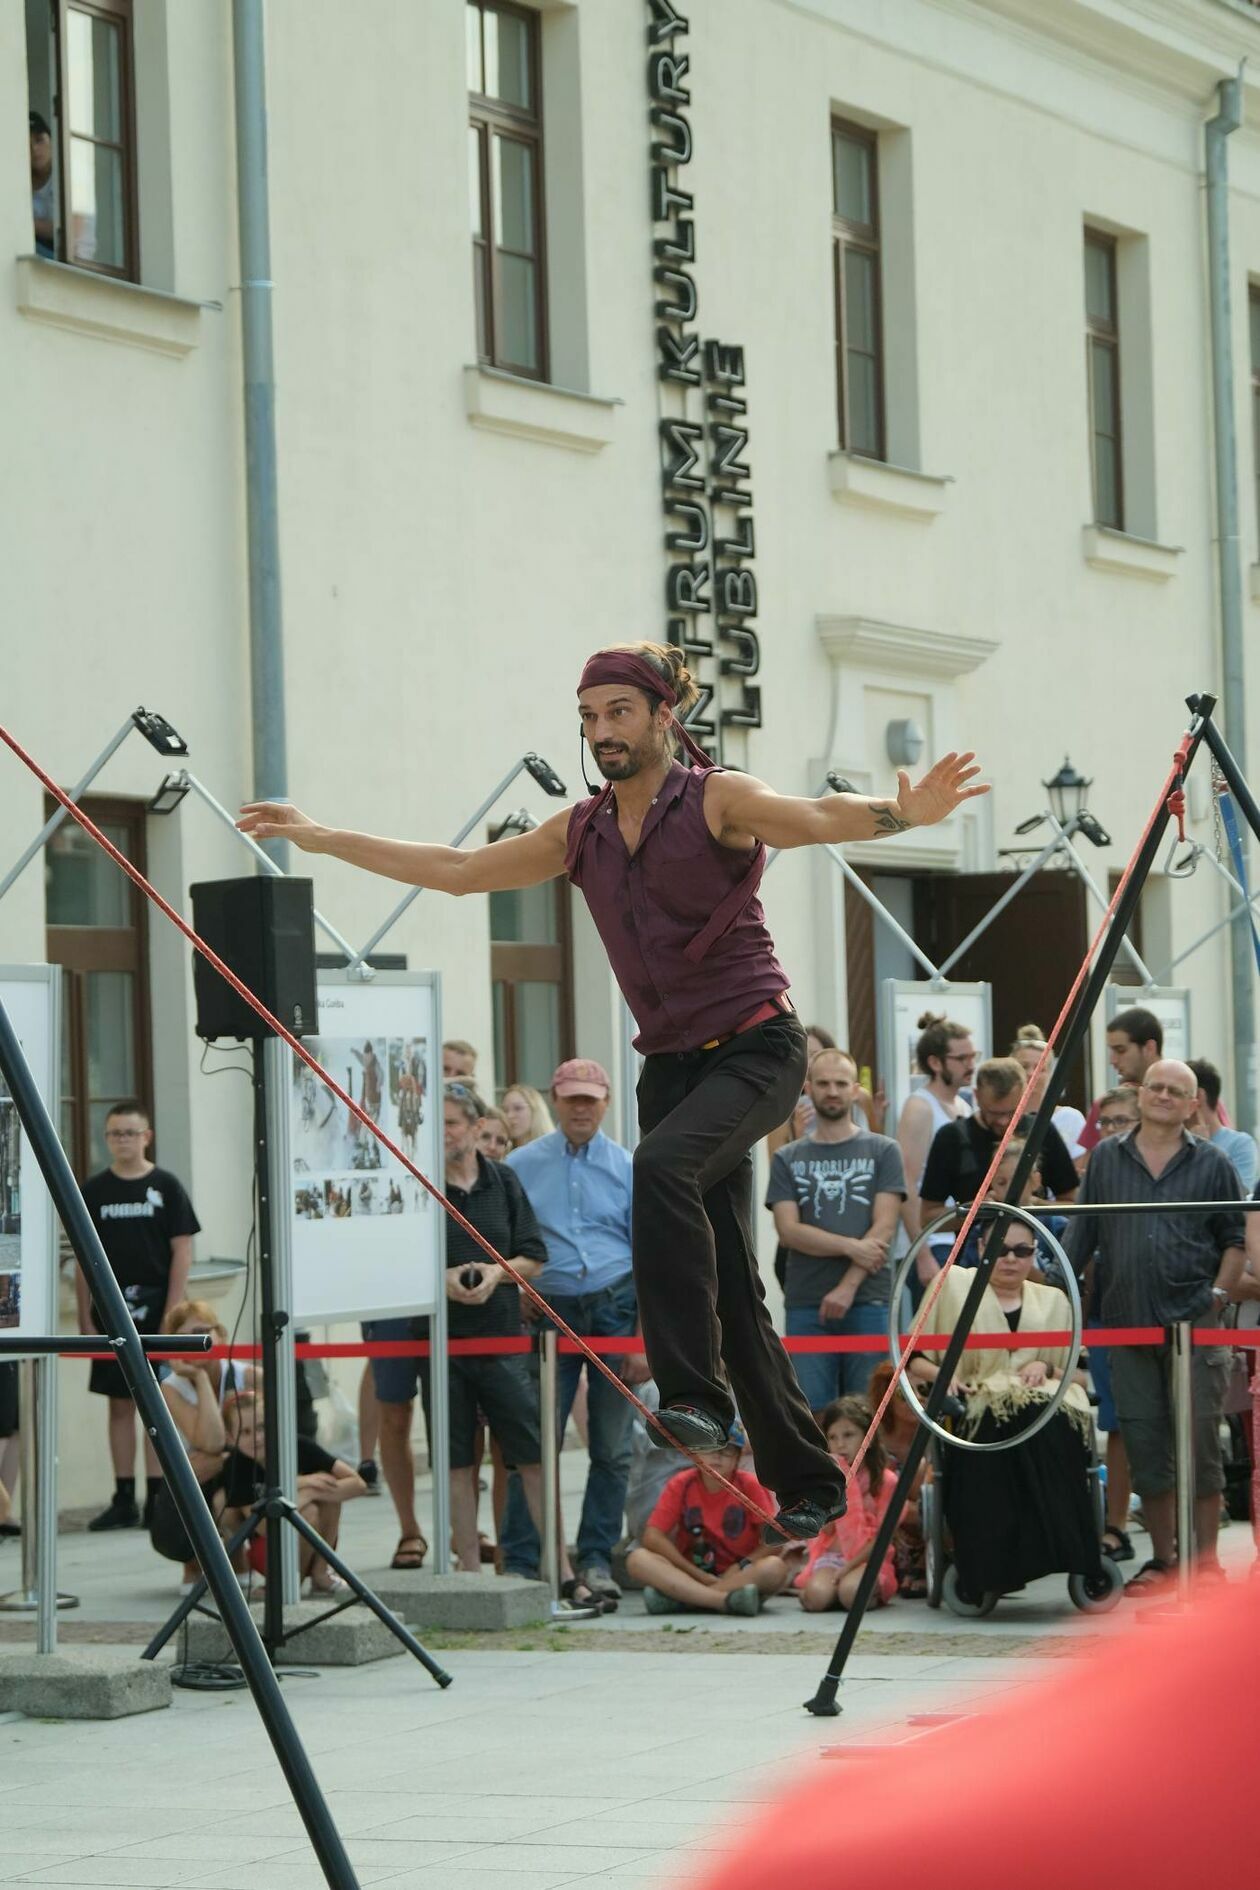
[[1092, 1595]]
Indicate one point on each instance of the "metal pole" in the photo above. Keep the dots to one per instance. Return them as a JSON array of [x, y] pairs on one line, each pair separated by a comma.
[[863, 890], [1046, 853], [1182, 1341], [77, 792], [823, 1702], [264, 859], [266, 636], [1228, 554], [159, 1427], [357, 959], [44, 1381], [1083, 873], [547, 1375], [26, 1599]]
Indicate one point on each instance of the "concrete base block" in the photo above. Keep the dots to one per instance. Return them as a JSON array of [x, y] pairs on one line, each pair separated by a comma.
[[82, 1683], [464, 1602], [349, 1639]]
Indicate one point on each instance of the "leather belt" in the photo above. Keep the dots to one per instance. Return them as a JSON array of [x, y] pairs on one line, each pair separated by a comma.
[[773, 1007]]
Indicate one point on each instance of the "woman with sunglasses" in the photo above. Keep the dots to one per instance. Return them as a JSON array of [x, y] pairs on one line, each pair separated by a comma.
[[1015, 1515]]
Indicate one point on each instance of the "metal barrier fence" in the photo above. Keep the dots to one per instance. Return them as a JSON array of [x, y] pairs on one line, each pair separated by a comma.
[[550, 1346]]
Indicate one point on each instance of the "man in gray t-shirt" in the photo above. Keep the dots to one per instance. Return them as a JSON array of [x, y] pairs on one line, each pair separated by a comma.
[[836, 1196]]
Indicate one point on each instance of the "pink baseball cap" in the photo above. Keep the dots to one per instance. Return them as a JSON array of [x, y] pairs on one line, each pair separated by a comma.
[[580, 1076]]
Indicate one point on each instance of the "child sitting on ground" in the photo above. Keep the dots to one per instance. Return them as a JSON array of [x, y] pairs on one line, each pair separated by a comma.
[[702, 1549], [838, 1555], [324, 1483]]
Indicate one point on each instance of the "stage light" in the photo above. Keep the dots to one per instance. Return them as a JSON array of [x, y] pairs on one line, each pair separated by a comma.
[[172, 791], [158, 732], [1093, 830], [521, 821], [545, 775]]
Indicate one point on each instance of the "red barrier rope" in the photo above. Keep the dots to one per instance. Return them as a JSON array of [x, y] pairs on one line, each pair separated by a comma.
[[519, 1345], [277, 1028], [933, 1293]]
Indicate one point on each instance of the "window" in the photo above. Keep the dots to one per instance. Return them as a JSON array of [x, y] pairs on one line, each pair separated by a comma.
[[531, 966], [505, 187], [856, 266], [1102, 349], [97, 933], [1253, 316], [80, 84]]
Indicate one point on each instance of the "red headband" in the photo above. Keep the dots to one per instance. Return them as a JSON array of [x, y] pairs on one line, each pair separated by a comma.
[[623, 666]]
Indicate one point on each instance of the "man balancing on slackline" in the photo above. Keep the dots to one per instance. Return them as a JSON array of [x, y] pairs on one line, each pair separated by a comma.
[[669, 859]]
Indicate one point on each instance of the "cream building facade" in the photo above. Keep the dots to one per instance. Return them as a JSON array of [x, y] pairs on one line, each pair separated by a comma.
[[963, 543]]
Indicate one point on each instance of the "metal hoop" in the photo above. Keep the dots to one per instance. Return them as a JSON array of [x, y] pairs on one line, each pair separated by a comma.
[[1004, 1212]]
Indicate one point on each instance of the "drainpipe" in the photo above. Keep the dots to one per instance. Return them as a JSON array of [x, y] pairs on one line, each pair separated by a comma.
[[266, 636], [1228, 552]]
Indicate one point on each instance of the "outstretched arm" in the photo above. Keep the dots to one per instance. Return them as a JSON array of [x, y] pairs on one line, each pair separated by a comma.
[[740, 808], [526, 860]]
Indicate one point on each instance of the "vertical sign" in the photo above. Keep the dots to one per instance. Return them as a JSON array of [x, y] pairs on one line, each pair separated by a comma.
[[28, 1226], [707, 499]]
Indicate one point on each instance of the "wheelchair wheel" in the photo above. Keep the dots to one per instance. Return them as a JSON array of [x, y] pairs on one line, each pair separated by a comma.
[[960, 1603], [1097, 1594], [933, 1547]]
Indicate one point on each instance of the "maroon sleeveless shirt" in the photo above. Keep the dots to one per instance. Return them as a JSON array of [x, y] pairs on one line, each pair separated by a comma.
[[680, 919]]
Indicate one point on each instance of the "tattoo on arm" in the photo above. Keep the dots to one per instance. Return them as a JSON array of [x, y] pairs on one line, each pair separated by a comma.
[[887, 819]]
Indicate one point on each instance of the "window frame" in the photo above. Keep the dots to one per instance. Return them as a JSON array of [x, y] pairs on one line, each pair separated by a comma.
[[846, 235], [1104, 334], [491, 117], [80, 949], [120, 14]]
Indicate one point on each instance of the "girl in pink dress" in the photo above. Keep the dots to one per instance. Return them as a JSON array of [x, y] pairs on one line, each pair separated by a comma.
[[838, 1555]]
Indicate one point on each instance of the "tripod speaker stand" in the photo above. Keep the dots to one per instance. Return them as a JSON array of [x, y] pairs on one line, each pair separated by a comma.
[[264, 929]]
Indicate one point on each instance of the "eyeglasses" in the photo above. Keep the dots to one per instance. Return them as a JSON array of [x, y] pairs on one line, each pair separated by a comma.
[[1117, 1122], [1023, 1250]]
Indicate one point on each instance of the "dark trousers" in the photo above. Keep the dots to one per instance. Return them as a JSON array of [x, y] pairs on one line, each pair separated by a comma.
[[701, 1302]]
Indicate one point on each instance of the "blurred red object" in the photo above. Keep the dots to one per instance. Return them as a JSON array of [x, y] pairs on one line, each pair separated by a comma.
[[1117, 1767]]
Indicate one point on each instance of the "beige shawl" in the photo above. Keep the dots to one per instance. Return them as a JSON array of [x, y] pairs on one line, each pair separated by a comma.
[[991, 1375]]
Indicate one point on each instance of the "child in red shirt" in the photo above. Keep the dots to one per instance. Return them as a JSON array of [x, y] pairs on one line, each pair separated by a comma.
[[702, 1549], [838, 1555]]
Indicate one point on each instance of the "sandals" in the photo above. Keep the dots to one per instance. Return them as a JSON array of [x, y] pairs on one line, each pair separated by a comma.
[[410, 1552], [1153, 1578], [578, 1595], [1117, 1544]]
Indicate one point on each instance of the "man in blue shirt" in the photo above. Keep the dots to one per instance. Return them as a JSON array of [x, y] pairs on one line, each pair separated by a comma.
[[578, 1184]]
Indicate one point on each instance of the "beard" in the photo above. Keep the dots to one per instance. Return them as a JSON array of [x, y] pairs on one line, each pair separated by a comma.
[[623, 762], [832, 1112]]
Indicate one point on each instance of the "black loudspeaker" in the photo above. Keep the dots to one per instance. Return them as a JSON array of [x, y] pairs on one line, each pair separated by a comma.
[[264, 930]]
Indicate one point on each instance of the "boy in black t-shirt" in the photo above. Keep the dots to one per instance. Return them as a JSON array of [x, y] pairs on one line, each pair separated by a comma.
[[146, 1224], [324, 1483]]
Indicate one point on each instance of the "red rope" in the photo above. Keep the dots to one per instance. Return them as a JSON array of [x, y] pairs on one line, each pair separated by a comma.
[[934, 1291], [273, 1024]]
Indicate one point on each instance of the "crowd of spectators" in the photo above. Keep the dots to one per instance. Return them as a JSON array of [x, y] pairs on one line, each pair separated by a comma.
[[540, 1179]]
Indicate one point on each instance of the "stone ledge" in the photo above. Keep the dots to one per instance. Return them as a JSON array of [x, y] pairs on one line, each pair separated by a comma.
[[471, 1602], [873, 483], [531, 410], [906, 648], [82, 1683], [350, 1639], [90, 304], [1108, 550]]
